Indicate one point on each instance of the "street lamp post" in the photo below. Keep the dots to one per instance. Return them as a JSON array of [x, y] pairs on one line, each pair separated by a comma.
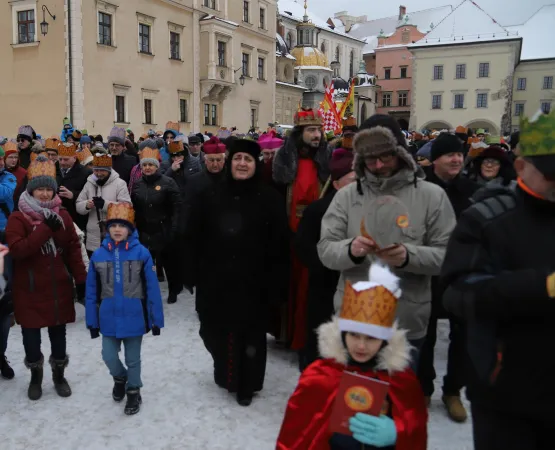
[[44, 23], [242, 77]]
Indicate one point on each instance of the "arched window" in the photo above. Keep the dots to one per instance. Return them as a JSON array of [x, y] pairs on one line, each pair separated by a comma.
[[323, 48], [363, 113], [352, 64], [289, 40], [337, 54]]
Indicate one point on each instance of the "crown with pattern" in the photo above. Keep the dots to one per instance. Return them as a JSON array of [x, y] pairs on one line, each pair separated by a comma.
[[537, 135], [52, 144], [10, 147], [369, 307], [102, 161], [121, 212], [84, 156], [68, 149], [41, 167], [349, 122], [308, 117], [172, 126], [150, 155], [176, 147]]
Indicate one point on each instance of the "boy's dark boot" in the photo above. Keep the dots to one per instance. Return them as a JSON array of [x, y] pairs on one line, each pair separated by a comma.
[[60, 383], [35, 386], [118, 393], [134, 400], [5, 368]]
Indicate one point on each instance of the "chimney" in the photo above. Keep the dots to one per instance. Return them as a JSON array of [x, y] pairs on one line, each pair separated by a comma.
[[402, 12]]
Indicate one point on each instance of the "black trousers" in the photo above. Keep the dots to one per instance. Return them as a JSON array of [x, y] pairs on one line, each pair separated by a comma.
[[454, 379], [32, 343], [495, 430], [169, 260]]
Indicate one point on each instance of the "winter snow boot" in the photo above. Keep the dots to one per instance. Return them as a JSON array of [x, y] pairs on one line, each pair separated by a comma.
[[35, 386], [60, 383], [5, 369], [118, 393], [455, 408], [134, 400], [172, 298]]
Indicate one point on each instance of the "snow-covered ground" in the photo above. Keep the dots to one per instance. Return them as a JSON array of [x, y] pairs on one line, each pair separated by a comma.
[[182, 407]]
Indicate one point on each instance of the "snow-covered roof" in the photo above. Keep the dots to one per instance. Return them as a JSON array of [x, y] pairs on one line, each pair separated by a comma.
[[371, 44], [421, 19], [327, 69], [538, 34], [281, 48], [294, 9], [291, 85], [468, 23]]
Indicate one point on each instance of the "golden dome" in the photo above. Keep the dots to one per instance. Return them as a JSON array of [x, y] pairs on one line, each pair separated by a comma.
[[309, 56]]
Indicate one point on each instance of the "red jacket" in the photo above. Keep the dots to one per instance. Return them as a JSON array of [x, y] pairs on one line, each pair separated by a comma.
[[42, 284], [306, 423], [19, 173]]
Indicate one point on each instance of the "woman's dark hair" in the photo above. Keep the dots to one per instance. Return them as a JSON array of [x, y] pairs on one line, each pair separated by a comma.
[[383, 120]]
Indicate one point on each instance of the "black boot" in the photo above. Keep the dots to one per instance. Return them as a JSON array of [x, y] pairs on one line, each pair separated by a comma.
[[60, 383], [118, 393], [134, 400], [244, 400], [35, 386], [172, 298], [5, 369]]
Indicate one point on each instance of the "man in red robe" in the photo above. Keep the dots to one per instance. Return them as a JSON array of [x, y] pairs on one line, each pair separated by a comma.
[[301, 168]]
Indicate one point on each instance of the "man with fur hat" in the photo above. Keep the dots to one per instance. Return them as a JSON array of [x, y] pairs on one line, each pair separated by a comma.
[[322, 281], [499, 278], [25, 139], [390, 214], [301, 170], [122, 163]]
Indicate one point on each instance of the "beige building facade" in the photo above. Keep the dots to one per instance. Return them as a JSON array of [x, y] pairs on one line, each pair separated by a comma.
[[138, 64]]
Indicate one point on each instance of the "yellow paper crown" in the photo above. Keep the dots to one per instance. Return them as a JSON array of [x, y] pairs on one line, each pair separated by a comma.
[[10, 146], [84, 154], [175, 147], [67, 149], [41, 168], [102, 160], [121, 211], [149, 153], [537, 135], [35, 154], [52, 144]]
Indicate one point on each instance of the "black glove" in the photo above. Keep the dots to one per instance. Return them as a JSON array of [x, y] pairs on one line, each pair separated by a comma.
[[95, 332], [80, 291], [98, 202], [155, 331], [53, 223]]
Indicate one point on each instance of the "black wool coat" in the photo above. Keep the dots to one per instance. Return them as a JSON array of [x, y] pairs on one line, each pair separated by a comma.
[[239, 265], [74, 181], [123, 165], [157, 202]]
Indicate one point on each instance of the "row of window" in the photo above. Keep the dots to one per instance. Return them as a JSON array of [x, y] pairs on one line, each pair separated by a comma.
[[459, 101], [402, 99], [544, 105], [547, 83], [402, 72], [121, 109], [246, 12], [460, 71]]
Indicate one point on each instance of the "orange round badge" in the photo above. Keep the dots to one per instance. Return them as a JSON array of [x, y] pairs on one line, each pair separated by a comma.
[[402, 221], [158, 188], [358, 398]]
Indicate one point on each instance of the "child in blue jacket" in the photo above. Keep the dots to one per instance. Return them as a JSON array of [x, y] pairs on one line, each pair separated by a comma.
[[123, 302]]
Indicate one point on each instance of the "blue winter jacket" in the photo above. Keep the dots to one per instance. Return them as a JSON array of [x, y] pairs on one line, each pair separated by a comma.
[[7, 188], [123, 295]]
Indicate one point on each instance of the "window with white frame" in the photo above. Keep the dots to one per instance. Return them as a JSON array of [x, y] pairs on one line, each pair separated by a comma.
[[546, 107], [519, 109], [481, 100], [183, 110], [261, 68], [387, 73], [246, 11], [210, 4], [104, 28], [483, 70], [206, 114], [214, 115], [149, 103], [438, 72], [148, 111], [254, 113], [460, 71], [403, 98], [146, 23], [404, 72], [176, 33], [436, 101], [245, 64], [121, 102], [24, 19], [458, 101], [386, 99], [548, 82], [262, 18], [521, 84], [222, 54]]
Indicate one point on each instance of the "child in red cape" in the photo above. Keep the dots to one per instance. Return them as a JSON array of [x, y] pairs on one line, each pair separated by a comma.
[[363, 339]]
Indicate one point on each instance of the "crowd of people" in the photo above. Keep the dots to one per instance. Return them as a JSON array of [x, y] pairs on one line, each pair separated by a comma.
[[347, 249]]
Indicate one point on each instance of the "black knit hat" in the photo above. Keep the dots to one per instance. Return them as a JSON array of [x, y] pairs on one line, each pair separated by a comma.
[[245, 146], [444, 144]]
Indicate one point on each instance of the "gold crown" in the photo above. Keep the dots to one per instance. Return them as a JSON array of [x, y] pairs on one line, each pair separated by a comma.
[[42, 168], [308, 117], [374, 306], [10, 146], [149, 153], [84, 154], [172, 126], [67, 149], [102, 160], [52, 144], [121, 211], [349, 122], [175, 147], [537, 135], [35, 155]]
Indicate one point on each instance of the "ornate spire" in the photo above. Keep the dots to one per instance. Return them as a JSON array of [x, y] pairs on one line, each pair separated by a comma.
[[305, 17]]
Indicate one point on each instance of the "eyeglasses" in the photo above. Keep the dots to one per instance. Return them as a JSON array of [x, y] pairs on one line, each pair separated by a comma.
[[385, 158], [491, 162], [20, 140]]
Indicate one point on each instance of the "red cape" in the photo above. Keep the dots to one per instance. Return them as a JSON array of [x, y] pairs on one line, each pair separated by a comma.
[[306, 422]]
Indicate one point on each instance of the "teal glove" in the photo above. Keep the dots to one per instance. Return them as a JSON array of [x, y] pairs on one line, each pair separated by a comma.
[[370, 430]]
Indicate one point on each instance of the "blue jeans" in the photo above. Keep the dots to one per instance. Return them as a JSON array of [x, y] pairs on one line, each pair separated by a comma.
[[110, 349], [5, 325]]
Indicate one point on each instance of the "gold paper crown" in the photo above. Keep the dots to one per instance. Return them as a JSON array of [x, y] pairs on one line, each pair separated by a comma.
[[83, 155], [175, 147], [149, 153], [67, 149], [10, 146], [349, 122], [102, 160], [52, 144], [308, 117], [374, 306], [537, 135], [172, 126], [43, 168], [121, 211], [35, 155]]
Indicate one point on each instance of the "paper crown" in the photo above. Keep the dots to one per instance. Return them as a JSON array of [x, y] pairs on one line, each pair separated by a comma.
[[308, 117], [10, 147], [461, 130], [35, 154], [67, 149], [175, 147], [537, 135], [41, 168], [102, 160], [369, 307], [52, 144], [121, 211], [149, 153], [349, 122], [172, 126], [84, 156]]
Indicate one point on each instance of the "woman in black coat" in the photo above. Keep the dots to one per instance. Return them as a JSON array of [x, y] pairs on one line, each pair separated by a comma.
[[157, 202], [239, 268]]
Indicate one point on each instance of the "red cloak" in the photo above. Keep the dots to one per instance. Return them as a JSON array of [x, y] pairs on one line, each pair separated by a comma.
[[306, 422]]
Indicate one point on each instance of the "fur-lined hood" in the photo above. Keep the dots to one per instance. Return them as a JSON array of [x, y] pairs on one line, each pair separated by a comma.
[[376, 141], [394, 357], [286, 161]]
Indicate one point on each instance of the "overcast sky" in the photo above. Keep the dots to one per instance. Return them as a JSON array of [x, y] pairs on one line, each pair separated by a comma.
[[506, 12]]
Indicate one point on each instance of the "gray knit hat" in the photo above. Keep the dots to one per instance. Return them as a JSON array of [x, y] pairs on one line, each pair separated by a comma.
[[150, 155], [41, 173], [117, 135], [150, 143]]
